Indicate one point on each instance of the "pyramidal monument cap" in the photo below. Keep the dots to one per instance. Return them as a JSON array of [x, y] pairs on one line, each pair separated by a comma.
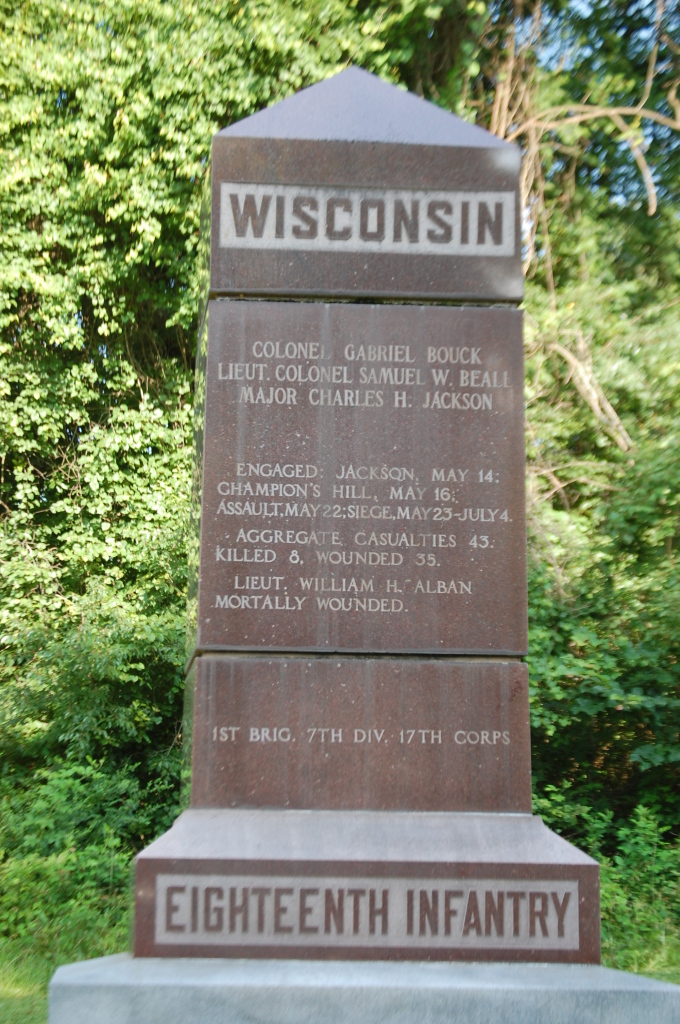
[[356, 106], [355, 188]]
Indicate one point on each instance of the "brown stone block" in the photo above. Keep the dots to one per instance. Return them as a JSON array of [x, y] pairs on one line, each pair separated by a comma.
[[361, 733], [363, 480], [355, 188], [364, 173]]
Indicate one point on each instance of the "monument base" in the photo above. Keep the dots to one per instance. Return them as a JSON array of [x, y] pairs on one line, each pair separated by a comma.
[[366, 885], [119, 989]]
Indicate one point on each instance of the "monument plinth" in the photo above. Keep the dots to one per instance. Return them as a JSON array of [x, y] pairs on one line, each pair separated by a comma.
[[361, 782]]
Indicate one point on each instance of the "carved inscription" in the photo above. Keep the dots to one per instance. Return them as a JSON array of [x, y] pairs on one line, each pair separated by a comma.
[[327, 734], [411, 913], [366, 463], [377, 733], [367, 220]]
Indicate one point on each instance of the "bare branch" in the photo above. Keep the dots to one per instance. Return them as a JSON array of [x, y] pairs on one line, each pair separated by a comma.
[[651, 62], [555, 118], [589, 389]]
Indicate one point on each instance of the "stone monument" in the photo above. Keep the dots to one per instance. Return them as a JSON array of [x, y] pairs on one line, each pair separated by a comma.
[[358, 706]]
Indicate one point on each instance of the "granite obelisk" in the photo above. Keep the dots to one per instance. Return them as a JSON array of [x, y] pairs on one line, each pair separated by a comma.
[[361, 763]]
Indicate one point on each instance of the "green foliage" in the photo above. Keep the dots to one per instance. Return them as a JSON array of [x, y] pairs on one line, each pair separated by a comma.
[[23, 987], [652, 917], [639, 883], [605, 588]]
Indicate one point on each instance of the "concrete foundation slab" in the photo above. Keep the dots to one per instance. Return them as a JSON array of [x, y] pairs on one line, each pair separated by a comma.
[[123, 990]]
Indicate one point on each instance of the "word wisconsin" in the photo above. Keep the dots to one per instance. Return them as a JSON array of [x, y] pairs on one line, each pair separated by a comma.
[[367, 220]]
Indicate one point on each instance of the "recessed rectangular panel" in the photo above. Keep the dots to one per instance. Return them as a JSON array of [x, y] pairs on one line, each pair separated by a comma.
[[292, 912], [402, 222], [355, 733], [363, 479]]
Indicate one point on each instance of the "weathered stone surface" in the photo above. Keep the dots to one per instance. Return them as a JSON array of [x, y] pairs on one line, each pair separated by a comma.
[[361, 733], [119, 989], [360, 470], [356, 188], [363, 480], [366, 885], [356, 106]]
